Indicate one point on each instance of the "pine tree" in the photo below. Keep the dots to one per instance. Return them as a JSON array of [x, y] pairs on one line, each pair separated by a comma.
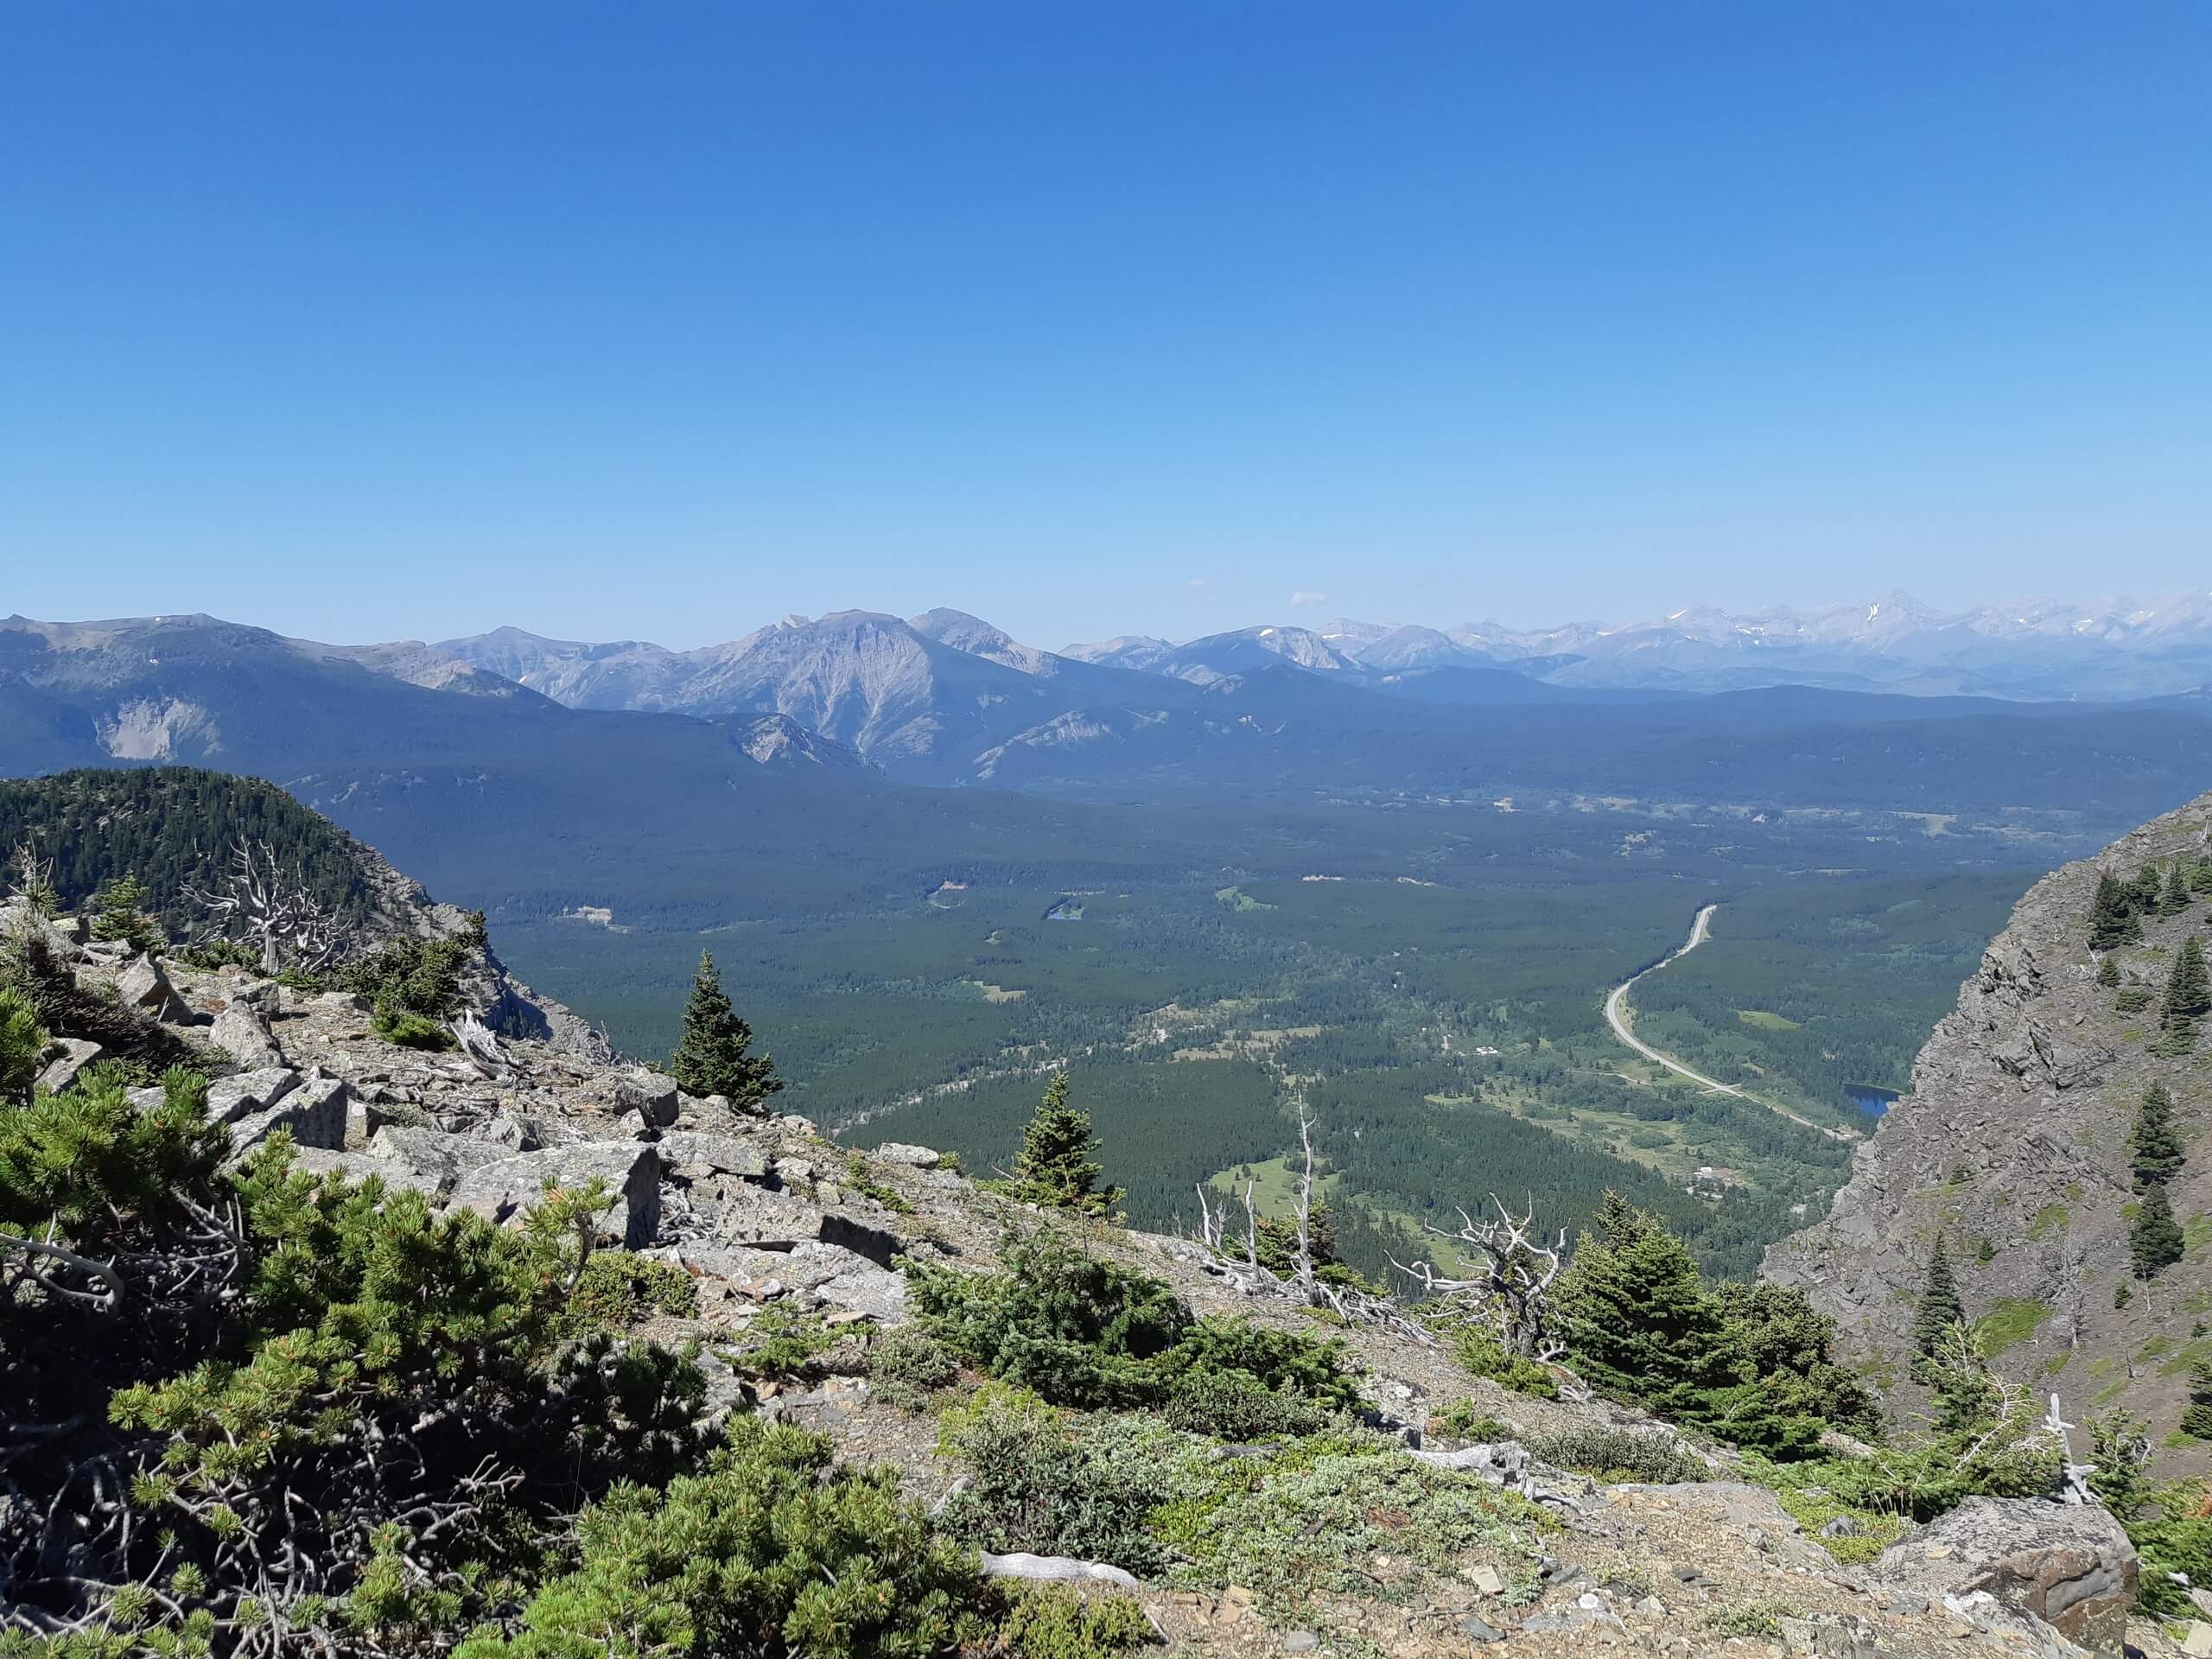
[[1057, 1165], [2188, 988], [2109, 974], [2154, 1152], [2143, 892], [2175, 900], [711, 1059], [2112, 916], [119, 913], [2154, 1242], [2196, 1416], [23, 1047], [1939, 1308], [1638, 1319], [2199, 879]]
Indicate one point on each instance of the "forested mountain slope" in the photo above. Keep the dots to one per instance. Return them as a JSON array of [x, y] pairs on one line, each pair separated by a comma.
[[2023, 1148]]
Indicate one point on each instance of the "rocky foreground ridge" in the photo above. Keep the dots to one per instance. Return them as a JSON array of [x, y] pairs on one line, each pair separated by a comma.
[[2013, 1146], [768, 1219]]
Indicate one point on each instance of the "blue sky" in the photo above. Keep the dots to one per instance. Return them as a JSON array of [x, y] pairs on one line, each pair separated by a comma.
[[664, 320]]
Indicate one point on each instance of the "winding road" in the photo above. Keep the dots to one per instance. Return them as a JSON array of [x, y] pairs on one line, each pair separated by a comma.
[[1617, 1016]]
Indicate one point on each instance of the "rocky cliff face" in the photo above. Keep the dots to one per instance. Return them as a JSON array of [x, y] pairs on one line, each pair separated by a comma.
[[2013, 1145]]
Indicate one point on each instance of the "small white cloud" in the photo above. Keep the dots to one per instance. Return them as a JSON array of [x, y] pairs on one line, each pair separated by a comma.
[[1306, 596], [1200, 582]]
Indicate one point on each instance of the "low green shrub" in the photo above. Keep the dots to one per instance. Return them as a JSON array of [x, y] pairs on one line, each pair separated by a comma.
[[1615, 1455], [405, 1028], [1318, 1518], [1081, 1330], [1462, 1420], [1041, 1481], [1050, 1621], [908, 1366], [775, 1549], [780, 1343], [618, 1289]]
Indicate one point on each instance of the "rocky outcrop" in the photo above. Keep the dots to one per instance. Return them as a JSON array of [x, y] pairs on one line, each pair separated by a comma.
[[2070, 1567], [2013, 1146]]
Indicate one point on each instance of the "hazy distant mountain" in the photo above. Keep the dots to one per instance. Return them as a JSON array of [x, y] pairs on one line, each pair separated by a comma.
[[1220, 655], [195, 690], [1133, 651], [920, 697]]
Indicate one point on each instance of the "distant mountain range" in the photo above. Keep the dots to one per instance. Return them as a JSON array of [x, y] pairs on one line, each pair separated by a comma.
[[849, 701], [2039, 649]]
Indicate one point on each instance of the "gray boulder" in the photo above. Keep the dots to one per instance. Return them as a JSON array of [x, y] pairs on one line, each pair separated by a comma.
[[2069, 1566], [653, 1096], [231, 1098], [64, 1070], [359, 1167], [723, 1154], [242, 1034], [314, 1114], [502, 1190], [896, 1152], [430, 1159], [145, 985]]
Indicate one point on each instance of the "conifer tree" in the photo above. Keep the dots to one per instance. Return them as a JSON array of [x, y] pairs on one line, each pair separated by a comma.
[[2154, 1152], [712, 1058], [119, 913], [2143, 892], [2154, 1242], [1939, 1308], [2200, 879], [2196, 1416], [2188, 988], [1058, 1166], [2112, 914], [1639, 1318], [2109, 974], [23, 1046], [2175, 900]]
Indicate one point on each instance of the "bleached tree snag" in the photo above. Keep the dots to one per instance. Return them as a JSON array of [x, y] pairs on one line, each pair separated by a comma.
[[1513, 1289], [107, 1298], [1055, 1569], [1304, 1287], [273, 908]]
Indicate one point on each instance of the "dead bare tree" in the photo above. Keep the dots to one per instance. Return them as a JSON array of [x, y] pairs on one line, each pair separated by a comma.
[[1304, 1284], [31, 878], [273, 907], [1512, 1290]]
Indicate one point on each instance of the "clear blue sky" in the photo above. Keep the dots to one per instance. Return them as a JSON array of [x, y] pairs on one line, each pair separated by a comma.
[[664, 319]]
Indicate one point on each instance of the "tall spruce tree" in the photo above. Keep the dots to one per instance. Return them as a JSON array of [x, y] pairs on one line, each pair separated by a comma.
[[712, 1058], [2199, 879], [2154, 1151], [2196, 1416], [1638, 1319], [2188, 987], [2154, 1242], [2112, 914], [1939, 1307], [2143, 892], [2175, 900], [1057, 1166]]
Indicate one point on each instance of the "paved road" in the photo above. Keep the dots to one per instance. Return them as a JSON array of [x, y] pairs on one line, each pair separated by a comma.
[[1616, 1015]]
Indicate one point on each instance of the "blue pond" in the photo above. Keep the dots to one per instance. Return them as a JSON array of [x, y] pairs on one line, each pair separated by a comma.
[[1870, 1100]]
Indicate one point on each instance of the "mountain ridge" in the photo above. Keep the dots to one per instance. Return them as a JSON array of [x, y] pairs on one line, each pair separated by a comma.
[[2015, 1135]]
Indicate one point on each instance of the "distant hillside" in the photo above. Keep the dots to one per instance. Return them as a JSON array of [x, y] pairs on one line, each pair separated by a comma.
[[172, 828]]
